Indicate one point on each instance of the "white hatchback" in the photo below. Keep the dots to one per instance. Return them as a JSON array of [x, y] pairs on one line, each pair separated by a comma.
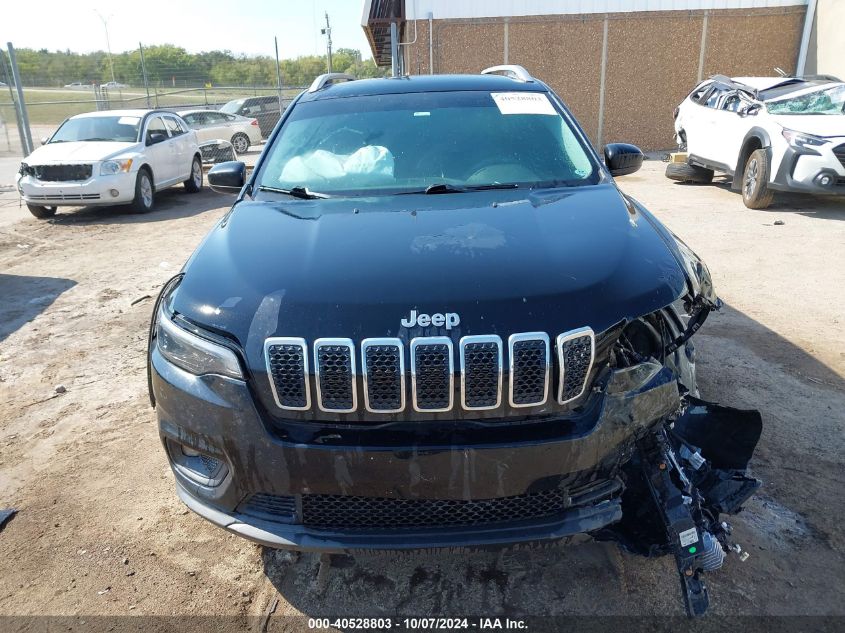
[[110, 158], [769, 133]]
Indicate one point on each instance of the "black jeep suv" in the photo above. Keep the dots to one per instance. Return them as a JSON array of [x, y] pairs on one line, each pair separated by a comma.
[[431, 318]]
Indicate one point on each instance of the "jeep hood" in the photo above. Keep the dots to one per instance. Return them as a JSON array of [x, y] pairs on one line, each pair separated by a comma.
[[78, 152], [505, 261]]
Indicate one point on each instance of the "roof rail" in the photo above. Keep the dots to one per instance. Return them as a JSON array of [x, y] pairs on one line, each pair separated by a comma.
[[326, 79], [511, 70]]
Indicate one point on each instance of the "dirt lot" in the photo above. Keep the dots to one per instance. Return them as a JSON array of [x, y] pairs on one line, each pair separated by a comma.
[[100, 530]]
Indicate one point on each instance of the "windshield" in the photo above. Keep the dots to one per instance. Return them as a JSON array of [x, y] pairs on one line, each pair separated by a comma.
[[232, 106], [828, 101], [99, 128], [400, 143]]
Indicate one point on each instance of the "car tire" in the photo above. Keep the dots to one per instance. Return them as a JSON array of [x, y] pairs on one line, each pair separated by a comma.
[[41, 212], [240, 142], [194, 182], [683, 172], [755, 181], [144, 192]]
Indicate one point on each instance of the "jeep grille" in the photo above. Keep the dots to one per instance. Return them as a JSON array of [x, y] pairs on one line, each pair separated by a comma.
[[431, 362]]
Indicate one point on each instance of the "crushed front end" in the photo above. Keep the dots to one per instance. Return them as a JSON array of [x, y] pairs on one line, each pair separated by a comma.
[[320, 407]]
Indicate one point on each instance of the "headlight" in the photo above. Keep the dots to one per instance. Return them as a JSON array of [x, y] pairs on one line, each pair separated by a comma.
[[110, 167], [801, 140], [193, 353], [25, 170]]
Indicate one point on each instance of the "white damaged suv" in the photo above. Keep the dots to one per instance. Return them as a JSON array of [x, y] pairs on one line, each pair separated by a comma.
[[768, 133], [110, 158]]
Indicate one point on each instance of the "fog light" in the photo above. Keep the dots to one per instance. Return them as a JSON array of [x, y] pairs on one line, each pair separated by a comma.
[[825, 180], [196, 465], [114, 193]]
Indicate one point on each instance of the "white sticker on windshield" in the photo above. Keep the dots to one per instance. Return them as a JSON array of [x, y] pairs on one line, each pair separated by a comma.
[[523, 103], [128, 120]]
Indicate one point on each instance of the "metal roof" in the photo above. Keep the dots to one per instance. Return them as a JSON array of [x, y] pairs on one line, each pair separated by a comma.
[[375, 20]]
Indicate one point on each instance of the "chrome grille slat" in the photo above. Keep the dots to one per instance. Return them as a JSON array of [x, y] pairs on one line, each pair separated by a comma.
[[383, 373], [287, 362], [334, 375], [528, 369], [576, 352], [481, 372], [432, 374]]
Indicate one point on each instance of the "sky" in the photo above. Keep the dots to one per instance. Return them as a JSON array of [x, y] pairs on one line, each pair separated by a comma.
[[240, 26]]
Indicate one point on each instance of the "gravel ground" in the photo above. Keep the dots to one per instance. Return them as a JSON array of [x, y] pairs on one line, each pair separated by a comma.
[[100, 530]]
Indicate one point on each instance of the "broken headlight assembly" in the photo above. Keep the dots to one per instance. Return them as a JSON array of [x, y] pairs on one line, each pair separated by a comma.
[[692, 467]]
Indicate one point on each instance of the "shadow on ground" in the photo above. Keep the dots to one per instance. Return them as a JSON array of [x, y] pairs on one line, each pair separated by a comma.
[[24, 298], [169, 204], [791, 529], [813, 206]]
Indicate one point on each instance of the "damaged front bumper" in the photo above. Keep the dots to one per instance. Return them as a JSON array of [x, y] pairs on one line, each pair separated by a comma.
[[645, 464], [552, 484]]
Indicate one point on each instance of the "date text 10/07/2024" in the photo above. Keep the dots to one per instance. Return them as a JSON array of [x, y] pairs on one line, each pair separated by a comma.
[[433, 624]]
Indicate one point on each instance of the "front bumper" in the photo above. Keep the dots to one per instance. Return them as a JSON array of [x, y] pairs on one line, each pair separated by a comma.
[[217, 417], [816, 171], [96, 190]]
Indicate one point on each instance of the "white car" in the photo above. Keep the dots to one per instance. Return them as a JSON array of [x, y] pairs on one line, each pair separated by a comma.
[[110, 158], [211, 125], [769, 133], [114, 85]]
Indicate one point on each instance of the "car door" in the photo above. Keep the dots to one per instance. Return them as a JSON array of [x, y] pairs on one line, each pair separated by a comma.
[[703, 141], [182, 150], [159, 151], [199, 124], [729, 127], [690, 119], [218, 123]]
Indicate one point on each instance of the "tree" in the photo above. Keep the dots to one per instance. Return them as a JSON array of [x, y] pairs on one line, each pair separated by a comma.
[[172, 66]]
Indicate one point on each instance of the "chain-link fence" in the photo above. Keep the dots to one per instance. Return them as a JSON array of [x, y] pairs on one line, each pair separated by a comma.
[[58, 84]]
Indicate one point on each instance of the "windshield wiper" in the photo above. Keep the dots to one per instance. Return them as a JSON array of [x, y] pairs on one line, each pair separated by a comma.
[[96, 138], [295, 192], [442, 187]]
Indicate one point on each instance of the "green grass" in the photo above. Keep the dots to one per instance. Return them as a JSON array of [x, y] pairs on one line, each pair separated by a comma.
[[51, 106]]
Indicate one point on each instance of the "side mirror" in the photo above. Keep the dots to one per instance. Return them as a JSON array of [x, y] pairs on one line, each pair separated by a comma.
[[750, 110], [622, 159], [45, 140], [156, 137], [228, 177]]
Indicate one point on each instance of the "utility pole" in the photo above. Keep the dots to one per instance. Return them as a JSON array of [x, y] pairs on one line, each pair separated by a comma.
[[108, 43], [144, 73], [25, 134], [278, 73], [328, 33]]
